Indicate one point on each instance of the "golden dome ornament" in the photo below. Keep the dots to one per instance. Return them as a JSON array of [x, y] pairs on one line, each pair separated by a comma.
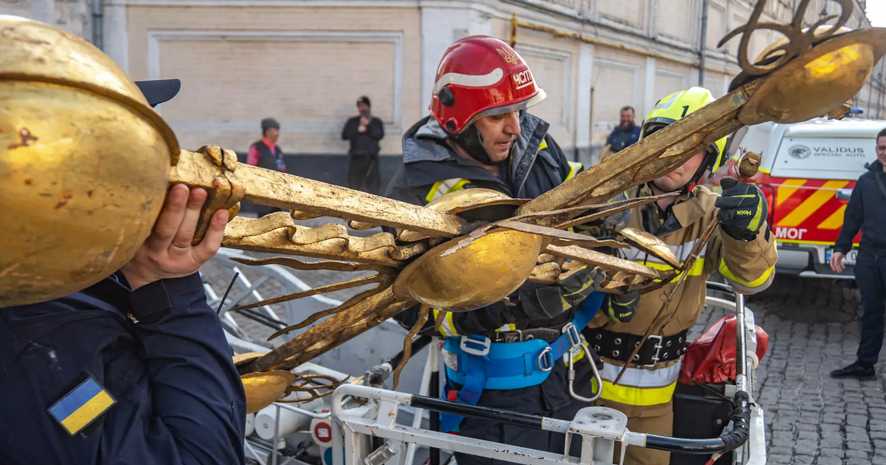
[[84, 163]]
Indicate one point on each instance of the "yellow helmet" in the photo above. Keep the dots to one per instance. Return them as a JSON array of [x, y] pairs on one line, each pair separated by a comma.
[[676, 106]]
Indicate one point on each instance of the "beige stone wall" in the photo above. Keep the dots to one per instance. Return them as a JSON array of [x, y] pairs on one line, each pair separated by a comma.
[[554, 64], [304, 66], [73, 16]]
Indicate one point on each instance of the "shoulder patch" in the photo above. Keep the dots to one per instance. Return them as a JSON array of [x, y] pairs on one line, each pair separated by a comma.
[[81, 406]]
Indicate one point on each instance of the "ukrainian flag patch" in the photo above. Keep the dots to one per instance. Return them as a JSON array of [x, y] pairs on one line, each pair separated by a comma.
[[81, 406]]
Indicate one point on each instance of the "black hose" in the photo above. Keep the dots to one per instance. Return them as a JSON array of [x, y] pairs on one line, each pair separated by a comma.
[[507, 416], [729, 440]]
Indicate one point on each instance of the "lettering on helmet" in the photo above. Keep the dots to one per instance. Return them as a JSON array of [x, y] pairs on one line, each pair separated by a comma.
[[522, 78], [508, 55]]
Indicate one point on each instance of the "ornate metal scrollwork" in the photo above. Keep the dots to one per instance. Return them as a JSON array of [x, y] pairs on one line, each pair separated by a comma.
[[798, 39]]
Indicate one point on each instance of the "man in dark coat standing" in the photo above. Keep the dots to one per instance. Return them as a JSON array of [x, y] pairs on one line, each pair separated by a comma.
[[867, 211], [363, 132]]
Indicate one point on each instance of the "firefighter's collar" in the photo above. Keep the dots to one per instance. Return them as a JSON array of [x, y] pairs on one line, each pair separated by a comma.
[[687, 208]]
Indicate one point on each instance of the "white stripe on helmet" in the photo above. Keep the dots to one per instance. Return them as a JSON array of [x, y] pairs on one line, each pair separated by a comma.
[[469, 80]]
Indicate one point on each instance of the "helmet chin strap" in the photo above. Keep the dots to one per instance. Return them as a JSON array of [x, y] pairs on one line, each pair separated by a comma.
[[472, 142]]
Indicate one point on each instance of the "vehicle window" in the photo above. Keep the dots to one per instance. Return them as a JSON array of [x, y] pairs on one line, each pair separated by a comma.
[[837, 158]]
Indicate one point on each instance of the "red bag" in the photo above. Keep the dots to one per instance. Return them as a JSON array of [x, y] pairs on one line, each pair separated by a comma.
[[710, 359]]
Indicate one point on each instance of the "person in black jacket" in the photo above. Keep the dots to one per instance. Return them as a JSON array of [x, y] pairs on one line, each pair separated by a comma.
[[135, 369], [867, 211], [363, 132], [475, 138]]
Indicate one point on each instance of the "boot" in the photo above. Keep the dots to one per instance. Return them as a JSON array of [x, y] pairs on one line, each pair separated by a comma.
[[856, 370]]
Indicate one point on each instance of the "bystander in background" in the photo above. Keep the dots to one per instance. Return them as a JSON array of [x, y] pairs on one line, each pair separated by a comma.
[[867, 211], [626, 133], [267, 154], [363, 131]]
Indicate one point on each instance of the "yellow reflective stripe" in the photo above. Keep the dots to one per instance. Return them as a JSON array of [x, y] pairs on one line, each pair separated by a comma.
[[643, 397], [447, 326], [759, 281], [757, 219], [507, 327], [444, 187], [433, 192], [542, 146], [697, 268], [574, 168]]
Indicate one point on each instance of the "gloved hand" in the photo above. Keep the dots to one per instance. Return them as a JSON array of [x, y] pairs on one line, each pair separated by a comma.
[[580, 284], [742, 209], [621, 308], [541, 302]]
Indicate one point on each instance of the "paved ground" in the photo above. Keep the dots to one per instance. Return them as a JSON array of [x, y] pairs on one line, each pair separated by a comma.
[[811, 419]]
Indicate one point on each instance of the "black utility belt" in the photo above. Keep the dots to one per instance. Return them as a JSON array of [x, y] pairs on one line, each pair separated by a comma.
[[521, 335], [620, 346]]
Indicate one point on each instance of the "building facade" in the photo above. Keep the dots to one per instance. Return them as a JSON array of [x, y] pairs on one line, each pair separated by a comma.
[[305, 62]]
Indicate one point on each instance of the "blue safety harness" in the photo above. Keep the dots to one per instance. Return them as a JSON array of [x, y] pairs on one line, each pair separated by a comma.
[[476, 363]]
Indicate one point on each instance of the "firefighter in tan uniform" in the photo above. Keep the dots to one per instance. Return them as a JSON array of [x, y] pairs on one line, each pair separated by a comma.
[[741, 250]]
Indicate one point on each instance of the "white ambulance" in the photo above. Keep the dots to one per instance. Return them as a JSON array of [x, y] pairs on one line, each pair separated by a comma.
[[807, 173]]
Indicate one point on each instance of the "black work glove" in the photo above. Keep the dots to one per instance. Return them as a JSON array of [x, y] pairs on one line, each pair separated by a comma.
[[621, 308], [545, 302], [742, 209], [578, 286]]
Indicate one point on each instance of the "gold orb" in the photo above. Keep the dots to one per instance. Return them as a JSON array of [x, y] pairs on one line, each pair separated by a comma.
[[84, 163], [468, 272], [819, 80]]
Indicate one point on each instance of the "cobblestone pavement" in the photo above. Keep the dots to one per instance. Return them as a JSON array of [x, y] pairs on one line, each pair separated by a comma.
[[811, 419]]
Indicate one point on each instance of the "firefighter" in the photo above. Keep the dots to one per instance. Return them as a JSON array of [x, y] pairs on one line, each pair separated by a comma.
[[741, 250], [134, 369], [479, 135]]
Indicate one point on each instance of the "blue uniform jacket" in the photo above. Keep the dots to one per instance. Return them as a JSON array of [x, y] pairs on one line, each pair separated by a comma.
[[620, 137], [178, 398]]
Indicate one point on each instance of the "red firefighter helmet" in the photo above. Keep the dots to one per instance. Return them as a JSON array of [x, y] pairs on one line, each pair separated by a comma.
[[480, 76]]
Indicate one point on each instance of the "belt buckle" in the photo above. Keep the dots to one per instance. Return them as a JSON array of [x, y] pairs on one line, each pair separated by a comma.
[[473, 346], [655, 355], [509, 336]]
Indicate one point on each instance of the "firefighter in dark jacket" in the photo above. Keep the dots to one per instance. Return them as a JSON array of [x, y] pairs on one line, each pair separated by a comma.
[[134, 369], [867, 211], [480, 136], [363, 131]]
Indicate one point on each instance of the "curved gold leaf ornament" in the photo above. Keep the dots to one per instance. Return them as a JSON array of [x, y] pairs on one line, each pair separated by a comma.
[[265, 387]]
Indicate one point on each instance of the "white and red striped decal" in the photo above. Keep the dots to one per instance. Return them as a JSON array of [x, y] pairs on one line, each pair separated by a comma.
[[469, 80]]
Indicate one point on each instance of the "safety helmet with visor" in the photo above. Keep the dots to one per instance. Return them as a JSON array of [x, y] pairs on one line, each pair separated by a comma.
[[676, 106]]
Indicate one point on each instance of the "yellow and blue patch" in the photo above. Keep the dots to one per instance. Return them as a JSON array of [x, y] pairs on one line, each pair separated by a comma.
[[81, 406]]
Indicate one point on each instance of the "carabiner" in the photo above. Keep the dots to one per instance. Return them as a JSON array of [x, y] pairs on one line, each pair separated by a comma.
[[596, 373]]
